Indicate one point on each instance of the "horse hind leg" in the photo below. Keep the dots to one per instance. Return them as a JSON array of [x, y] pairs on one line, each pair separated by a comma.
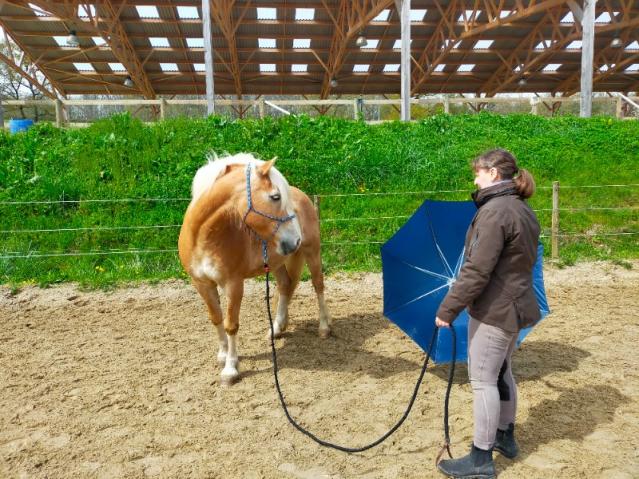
[[288, 277], [314, 261], [211, 297]]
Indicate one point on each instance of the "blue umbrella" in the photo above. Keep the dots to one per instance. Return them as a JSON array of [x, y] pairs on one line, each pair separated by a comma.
[[420, 263]]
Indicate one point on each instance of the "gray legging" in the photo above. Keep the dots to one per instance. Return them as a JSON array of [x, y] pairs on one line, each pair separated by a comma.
[[494, 390]]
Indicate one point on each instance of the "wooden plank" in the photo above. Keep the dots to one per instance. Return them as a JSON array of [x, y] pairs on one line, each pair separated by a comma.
[[111, 102]]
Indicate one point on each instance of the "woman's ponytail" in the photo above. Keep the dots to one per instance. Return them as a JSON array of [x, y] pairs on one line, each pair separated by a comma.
[[525, 183]]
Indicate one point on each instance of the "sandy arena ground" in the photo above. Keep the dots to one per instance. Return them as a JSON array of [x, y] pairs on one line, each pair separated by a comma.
[[125, 384]]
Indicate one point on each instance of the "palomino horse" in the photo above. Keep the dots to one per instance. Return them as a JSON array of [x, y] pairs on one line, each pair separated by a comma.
[[242, 212]]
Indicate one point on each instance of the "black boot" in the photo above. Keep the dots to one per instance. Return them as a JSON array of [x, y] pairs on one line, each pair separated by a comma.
[[505, 442], [476, 465]]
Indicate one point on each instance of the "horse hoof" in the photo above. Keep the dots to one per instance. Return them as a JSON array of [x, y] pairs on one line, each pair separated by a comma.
[[276, 333], [228, 378], [324, 333]]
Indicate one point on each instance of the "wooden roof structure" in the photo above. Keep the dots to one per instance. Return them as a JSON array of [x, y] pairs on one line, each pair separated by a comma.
[[297, 47]]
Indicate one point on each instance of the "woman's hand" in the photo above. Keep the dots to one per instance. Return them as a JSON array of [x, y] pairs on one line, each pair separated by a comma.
[[441, 324]]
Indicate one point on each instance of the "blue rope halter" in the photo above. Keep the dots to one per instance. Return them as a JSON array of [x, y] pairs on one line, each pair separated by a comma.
[[280, 220]]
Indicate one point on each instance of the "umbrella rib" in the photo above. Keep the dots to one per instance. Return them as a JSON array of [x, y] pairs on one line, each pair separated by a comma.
[[441, 255], [431, 273], [439, 251], [460, 261], [418, 298]]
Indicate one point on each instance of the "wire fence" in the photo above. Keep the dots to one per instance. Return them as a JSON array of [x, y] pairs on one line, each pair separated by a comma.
[[554, 235]]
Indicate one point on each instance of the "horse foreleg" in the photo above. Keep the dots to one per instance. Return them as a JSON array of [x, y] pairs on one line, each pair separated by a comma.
[[314, 262], [211, 297], [234, 291]]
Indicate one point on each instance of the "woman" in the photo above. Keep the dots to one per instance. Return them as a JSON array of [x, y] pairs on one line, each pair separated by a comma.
[[495, 284]]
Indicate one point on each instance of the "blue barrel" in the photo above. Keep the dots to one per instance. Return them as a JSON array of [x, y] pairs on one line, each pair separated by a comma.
[[16, 125]]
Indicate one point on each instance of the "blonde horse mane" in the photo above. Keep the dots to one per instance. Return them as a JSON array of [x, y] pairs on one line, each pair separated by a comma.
[[206, 176]]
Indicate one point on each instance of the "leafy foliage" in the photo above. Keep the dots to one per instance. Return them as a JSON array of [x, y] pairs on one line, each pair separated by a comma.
[[122, 158]]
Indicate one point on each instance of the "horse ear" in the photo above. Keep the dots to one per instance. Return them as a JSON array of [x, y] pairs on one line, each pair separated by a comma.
[[226, 169], [263, 169]]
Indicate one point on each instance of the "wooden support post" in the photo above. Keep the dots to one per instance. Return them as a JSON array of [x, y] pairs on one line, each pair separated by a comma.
[[261, 107], [208, 56], [355, 109], [587, 55], [1, 115], [59, 115], [619, 109], [316, 204], [554, 238], [534, 106], [446, 105], [405, 68], [163, 109]]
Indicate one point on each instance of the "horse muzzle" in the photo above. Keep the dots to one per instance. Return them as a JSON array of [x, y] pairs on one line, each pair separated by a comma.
[[288, 246]]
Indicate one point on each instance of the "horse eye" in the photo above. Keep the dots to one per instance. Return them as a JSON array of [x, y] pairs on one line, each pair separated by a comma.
[[276, 197]]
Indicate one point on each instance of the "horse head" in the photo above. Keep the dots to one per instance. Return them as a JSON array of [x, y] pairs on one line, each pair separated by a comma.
[[269, 211]]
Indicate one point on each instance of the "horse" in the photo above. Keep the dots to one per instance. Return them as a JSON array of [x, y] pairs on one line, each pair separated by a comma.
[[242, 216]]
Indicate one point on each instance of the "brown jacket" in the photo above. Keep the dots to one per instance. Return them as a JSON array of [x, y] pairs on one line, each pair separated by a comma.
[[495, 281]]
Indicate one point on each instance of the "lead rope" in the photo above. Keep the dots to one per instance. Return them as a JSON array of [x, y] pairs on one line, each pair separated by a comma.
[[451, 372]]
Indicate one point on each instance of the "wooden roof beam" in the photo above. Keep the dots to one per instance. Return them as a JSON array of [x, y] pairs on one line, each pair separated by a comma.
[[112, 30], [351, 17], [14, 38], [24, 74], [445, 36], [608, 56], [524, 57], [222, 13], [509, 75], [107, 25]]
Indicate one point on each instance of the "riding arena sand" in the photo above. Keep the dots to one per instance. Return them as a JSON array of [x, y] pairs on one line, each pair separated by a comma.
[[125, 384]]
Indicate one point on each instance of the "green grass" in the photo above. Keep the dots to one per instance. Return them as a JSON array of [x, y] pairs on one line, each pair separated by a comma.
[[122, 158]]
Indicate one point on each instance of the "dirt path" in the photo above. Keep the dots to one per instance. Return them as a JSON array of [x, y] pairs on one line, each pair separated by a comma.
[[125, 384]]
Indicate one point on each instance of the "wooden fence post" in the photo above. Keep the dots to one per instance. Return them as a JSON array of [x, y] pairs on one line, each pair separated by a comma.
[[555, 221], [534, 106], [163, 109], [619, 110], [316, 204], [261, 107], [59, 120]]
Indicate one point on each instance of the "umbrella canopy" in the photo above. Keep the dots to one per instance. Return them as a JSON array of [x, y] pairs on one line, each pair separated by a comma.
[[420, 263]]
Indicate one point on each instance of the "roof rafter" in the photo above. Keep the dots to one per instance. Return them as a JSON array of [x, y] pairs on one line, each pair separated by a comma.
[[524, 57], [446, 36], [14, 38], [180, 39], [559, 44], [351, 16], [222, 13], [31, 79], [107, 25], [613, 57]]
